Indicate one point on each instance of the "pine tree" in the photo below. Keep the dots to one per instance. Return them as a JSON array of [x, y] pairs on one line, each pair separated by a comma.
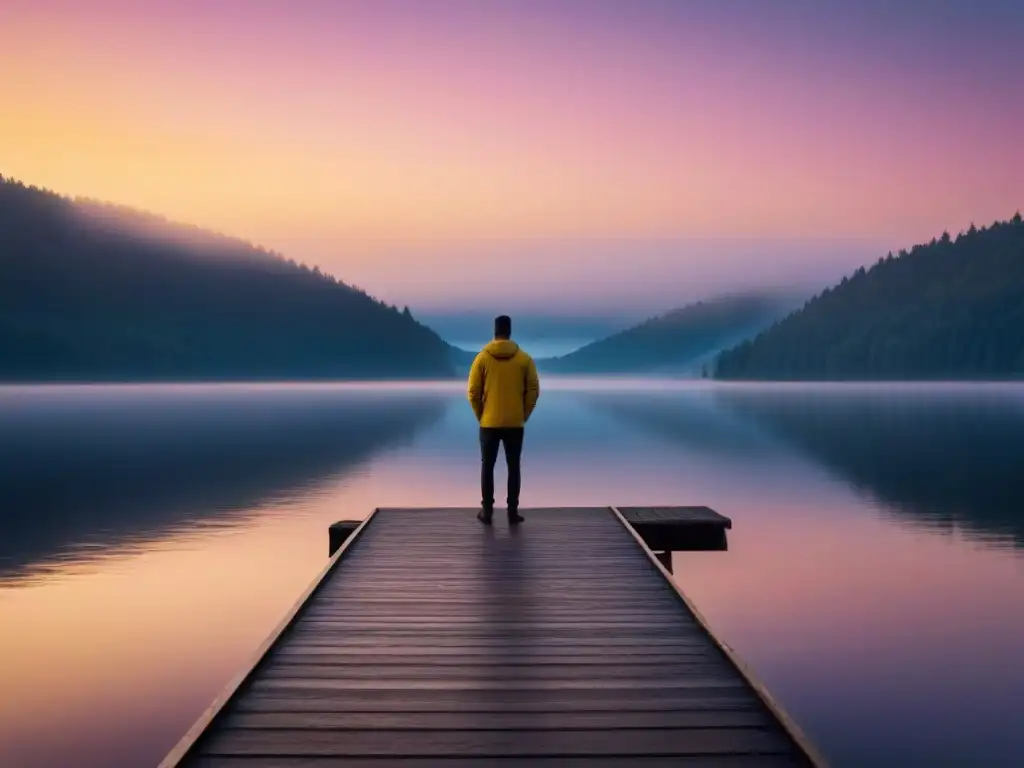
[[943, 310]]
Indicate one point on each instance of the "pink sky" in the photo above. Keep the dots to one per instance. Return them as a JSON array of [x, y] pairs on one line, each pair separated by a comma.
[[664, 148]]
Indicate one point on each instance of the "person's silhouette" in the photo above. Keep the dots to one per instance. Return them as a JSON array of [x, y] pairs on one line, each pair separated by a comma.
[[503, 390]]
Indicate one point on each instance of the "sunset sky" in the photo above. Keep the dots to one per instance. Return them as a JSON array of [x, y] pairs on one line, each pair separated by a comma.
[[580, 154]]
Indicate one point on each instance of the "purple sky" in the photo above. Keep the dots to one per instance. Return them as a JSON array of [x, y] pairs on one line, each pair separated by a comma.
[[557, 156]]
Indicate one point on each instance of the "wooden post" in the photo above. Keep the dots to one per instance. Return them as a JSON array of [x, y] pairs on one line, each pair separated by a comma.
[[665, 558], [338, 533]]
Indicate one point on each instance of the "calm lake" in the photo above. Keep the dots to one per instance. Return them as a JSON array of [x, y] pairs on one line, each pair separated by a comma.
[[152, 536]]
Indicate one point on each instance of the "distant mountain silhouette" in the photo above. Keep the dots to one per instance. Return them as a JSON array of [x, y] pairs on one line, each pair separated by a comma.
[[951, 309], [678, 341], [92, 291]]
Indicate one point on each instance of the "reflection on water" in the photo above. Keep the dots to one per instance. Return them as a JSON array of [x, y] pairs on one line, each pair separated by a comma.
[[150, 538], [946, 456], [86, 469]]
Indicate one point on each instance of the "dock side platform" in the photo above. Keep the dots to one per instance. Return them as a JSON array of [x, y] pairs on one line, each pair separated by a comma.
[[432, 640]]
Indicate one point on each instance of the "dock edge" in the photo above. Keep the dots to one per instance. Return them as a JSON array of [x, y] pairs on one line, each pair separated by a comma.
[[788, 724], [185, 745]]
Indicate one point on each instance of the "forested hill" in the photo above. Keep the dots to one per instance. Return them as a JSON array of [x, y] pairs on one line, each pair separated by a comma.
[[951, 309], [90, 291], [678, 341]]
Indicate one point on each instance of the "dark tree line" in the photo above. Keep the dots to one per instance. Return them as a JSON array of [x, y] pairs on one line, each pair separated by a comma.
[[676, 338], [91, 291], [950, 309]]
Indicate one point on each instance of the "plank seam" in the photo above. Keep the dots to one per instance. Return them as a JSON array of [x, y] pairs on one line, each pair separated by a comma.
[[503, 729]]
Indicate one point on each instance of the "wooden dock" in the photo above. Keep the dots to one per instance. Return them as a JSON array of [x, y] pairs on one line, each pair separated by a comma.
[[431, 640], [679, 529]]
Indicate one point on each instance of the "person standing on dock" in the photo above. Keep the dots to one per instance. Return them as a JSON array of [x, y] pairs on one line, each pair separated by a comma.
[[503, 390]]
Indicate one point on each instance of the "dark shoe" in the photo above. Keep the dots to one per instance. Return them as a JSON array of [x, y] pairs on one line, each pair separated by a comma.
[[514, 518], [484, 516]]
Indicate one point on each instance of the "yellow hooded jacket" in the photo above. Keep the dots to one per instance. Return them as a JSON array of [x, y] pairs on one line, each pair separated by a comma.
[[503, 385]]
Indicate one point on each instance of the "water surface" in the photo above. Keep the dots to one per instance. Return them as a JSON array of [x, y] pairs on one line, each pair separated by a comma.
[[151, 537]]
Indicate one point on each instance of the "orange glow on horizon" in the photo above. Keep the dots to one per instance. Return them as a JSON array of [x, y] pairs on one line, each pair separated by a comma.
[[317, 131]]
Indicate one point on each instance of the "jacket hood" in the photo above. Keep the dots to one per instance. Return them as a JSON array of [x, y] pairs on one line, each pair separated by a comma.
[[502, 349]]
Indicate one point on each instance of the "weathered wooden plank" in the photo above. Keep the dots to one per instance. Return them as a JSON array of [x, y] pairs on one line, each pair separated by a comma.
[[275, 698], [701, 668], [610, 583], [703, 761], [500, 605], [403, 603], [509, 558], [519, 586], [499, 623], [457, 618], [495, 597], [477, 611], [468, 607], [491, 721], [460, 657], [499, 743], [509, 636], [382, 581], [538, 642], [482, 624], [265, 682]]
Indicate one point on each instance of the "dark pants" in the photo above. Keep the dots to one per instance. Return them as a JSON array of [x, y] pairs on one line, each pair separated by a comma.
[[490, 439]]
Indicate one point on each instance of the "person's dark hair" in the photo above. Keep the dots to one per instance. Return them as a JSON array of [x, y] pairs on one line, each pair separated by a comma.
[[503, 327]]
